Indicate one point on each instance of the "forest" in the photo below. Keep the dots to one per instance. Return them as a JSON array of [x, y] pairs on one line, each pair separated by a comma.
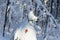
[[29, 19]]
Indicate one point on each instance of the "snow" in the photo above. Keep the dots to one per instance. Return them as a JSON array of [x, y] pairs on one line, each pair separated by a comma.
[[31, 16], [22, 35], [17, 26], [30, 35]]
